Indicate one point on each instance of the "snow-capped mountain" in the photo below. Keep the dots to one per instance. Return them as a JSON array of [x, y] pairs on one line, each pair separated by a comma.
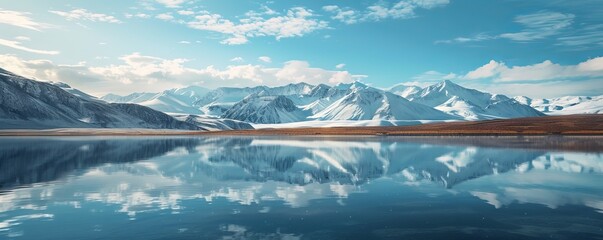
[[565, 105], [130, 98], [217, 101], [471, 104], [404, 90], [340, 104], [353, 101], [319, 98], [266, 109], [26, 103], [372, 104], [177, 100]]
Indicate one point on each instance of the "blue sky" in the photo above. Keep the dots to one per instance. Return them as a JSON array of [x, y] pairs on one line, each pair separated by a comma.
[[536, 48]]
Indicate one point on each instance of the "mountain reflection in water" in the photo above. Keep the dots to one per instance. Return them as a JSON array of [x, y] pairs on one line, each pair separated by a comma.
[[298, 188]]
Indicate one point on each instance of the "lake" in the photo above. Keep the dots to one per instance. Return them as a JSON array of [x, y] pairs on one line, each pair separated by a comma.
[[301, 188]]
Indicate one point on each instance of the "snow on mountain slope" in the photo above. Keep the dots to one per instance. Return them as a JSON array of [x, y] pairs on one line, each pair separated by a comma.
[[26, 103], [372, 104], [459, 107], [170, 104], [215, 102], [227, 96], [291, 89], [440, 93], [266, 109], [318, 98], [404, 90], [565, 105], [130, 98], [75, 91], [177, 100], [471, 104], [213, 123]]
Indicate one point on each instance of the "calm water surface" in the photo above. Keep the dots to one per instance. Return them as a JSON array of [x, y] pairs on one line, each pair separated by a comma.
[[297, 188]]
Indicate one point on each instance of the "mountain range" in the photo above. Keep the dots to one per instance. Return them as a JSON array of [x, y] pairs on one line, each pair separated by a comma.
[[344, 103], [565, 105], [27, 103]]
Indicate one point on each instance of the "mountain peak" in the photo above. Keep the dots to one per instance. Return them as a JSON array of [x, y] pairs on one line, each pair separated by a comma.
[[448, 84], [353, 85]]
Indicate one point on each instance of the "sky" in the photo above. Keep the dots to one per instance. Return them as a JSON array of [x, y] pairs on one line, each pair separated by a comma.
[[537, 48]]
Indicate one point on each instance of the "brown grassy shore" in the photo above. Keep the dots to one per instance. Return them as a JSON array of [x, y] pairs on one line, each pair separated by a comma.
[[549, 125]]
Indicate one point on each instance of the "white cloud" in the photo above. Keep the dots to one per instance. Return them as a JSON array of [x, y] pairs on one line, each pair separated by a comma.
[[237, 59], [165, 16], [138, 15], [586, 36], [485, 71], [340, 66], [20, 19], [265, 59], [83, 14], [300, 71], [591, 65], [549, 89], [540, 25], [346, 15], [291, 72], [184, 42], [433, 76], [138, 72], [235, 40], [537, 26], [383, 10], [17, 45], [541, 80], [295, 23], [171, 3], [544, 71], [22, 38], [186, 12], [476, 38]]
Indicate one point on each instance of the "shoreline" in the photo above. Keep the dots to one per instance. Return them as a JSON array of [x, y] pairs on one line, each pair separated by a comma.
[[569, 125]]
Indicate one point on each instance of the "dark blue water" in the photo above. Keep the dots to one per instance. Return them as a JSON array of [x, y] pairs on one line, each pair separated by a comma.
[[300, 188]]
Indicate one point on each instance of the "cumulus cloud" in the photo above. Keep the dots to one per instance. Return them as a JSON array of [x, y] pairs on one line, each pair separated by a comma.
[[17, 45], [165, 16], [549, 89], [546, 70], [541, 80], [20, 19], [340, 66], [83, 14], [345, 15], [296, 22], [186, 12], [139, 72], [382, 10]]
